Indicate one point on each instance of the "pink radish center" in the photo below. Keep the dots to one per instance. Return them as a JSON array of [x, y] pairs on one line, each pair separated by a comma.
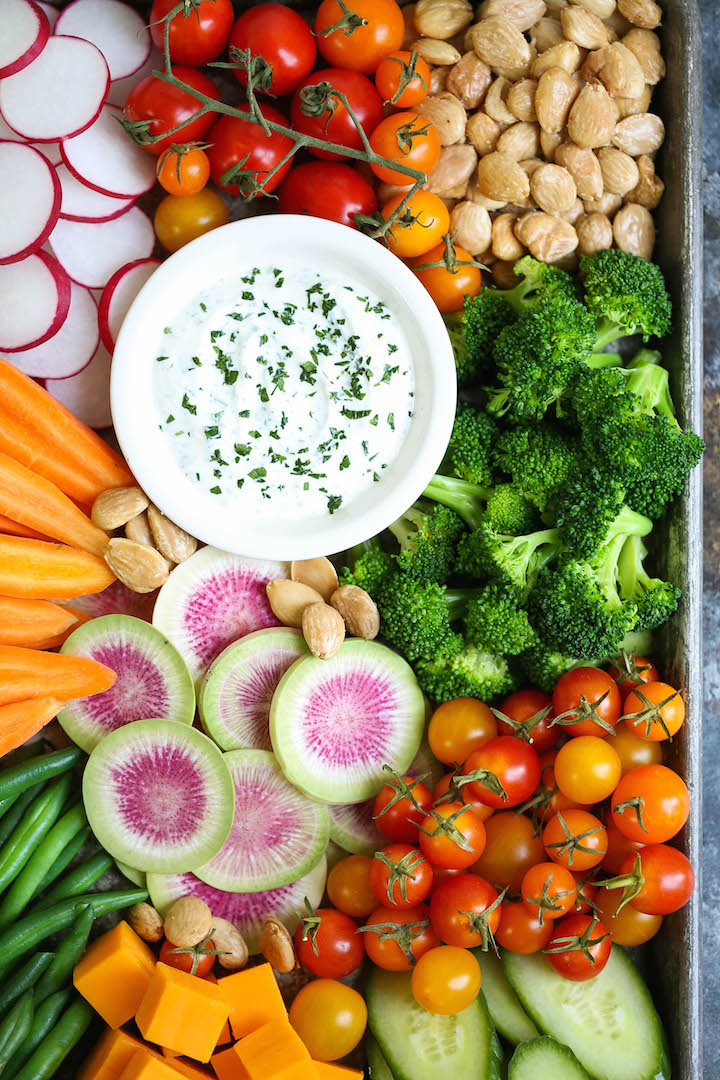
[[117, 599], [261, 821], [239, 908], [223, 608], [336, 724], [252, 697], [140, 692], [160, 795]]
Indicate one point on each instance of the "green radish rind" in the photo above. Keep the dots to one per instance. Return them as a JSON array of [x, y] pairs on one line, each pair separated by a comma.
[[137, 877], [352, 827], [153, 680], [277, 836], [609, 1022], [506, 1012], [414, 1042], [236, 691], [545, 1057], [335, 723], [159, 796], [377, 1065]]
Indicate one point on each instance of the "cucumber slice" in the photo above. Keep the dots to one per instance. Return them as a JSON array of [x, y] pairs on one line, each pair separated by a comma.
[[335, 723], [377, 1065], [415, 1043], [506, 1012], [545, 1057], [609, 1022], [138, 877], [353, 827]]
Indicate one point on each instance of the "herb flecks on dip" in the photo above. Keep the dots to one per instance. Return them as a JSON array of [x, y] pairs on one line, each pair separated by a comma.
[[284, 388]]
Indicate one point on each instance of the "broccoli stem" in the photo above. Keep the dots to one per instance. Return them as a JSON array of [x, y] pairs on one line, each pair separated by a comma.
[[651, 383], [604, 360], [464, 498], [607, 332]]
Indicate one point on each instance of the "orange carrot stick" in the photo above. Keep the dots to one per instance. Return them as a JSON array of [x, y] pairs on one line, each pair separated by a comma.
[[25, 622], [35, 569], [14, 528], [27, 673], [23, 719]]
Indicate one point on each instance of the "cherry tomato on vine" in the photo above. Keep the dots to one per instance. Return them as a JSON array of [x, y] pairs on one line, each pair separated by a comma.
[[448, 789], [446, 980], [335, 124], [396, 815], [579, 948], [400, 876], [449, 274], [591, 698], [458, 727], [513, 768], [183, 170], [666, 879], [628, 926], [201, 958], [465, 911], [197, 35], [181, 218], [587, 890], [233, 139], [632, 750], [348, 886], [409, 139], [549, 891], [520, 930], [632, 671], [403, 79], [529, 715], [575, 839], [452, 835], [359, 46], [327, 190], [162, 106], [421, 224], [619, 848], [395, 940], [511, 848], [329, 1017], [654, 711], [650, 804], [282, 38], [587, 768], [327, 943]]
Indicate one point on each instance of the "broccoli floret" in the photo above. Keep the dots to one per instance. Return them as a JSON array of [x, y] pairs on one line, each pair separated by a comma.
[[417, 618], [468, 454], [505, 505], [539, 460], [428, 534], [538, 280], [513, 561], [508, 511], [473, 332], [368, 566], [470, 673], [656, 600], [626, 294], [544, 666], [586, 508], [495, 620]]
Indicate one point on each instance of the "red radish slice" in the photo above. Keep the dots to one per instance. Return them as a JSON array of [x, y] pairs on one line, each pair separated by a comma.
[[118, 295], [81, 203], [34, 301], [50, 150], [59, 94], [30, 199], [87, 395], [118, 31], [72, 348], [25, 31], [120, 88], [92, 252], [103, 158], [51, 12]]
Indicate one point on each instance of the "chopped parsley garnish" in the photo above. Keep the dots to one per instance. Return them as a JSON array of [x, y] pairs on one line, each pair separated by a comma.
[[187, 404]]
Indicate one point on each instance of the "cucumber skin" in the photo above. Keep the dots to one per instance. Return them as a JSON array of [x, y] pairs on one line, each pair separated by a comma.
[[377, 1065], [516, 1028], [565, 1066]]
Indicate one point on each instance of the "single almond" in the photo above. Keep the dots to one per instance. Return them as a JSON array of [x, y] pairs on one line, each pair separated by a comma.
[[276, 945], [634, 230], [138, 529], [319, 574], [500, 177], [141, 568], [188, 922], [230, 944], [171, 541], [593, 117], [146, 922], [501, 44], [436, 52], [469, 80], [448, 115], [442, 18], [359, 611], [114, 508], [288, 599], [323, 629]]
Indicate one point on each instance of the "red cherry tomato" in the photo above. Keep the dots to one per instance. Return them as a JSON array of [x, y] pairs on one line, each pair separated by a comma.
[[197, 961], [619, 848], [335, 124], [520, 930], [162, 107], [514, 765], [400, 876], [654, 712], [452, 835], [579, 948], [327, 190], [233, 139], [666, 879], [590, 697], [631, 672], [395, 84], [512, 846], [529, 715], [650, 804], [395, 940], [396, 815], [282, 38], [448, 789], [587, 890], [575, 839], [197, 35], [359, 47], [549, 891], [327, 944], [465, 911]]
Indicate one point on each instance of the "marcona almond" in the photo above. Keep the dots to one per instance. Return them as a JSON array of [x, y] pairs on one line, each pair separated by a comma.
[[323, 629], [545, 33], [548, 238], [576, 211], [276, 945], [505, 244], [141, 568], [523, 13], [553, 189], [566, 55], [584, 168], [114, 508], [521, 140], [170, 540], [447, 114], [471, 226], [474, 195], [496, 101], [594, 233], [358, 610], [503, 274], [500, 44], [500, 177], [288, 599], [451, 176], [584, 28], [643, 13], [650, 188], [188, 922], [469, 80], [442, 18], [436, 52], [618, 24], [555, 6], [634, 230], [519, 72], [645, 45], [438, 79], [549, 142], [521, 99], [634, 106], [606, 204], [556, 92], [592, 118], [604, 9], [483, 132], [620, 172], [617, 68], [230, 944], [639, 134], [146, 922], [138, 529], [319, 574]]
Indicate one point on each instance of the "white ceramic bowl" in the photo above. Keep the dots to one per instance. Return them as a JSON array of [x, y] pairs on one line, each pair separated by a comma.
[[224, 252]]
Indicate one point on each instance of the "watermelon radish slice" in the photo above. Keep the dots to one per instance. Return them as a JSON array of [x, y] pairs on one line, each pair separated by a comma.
[[152, 680], [87, 394], [138, 877], [92, 251], [119, 32], [72, 348], [30, 199], [158, 796], [25, 30], [247, 911], [236, 692], [118, 295], [104, 159], [117, 599], [211, 600], [34, 301], [335, 723], [353, 827], [277, 834], [81, 203]]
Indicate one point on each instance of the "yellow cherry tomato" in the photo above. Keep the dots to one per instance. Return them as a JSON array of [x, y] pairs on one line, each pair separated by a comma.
[[348, 886], [183, 170], [446, 980], [632, 750], [628, 926], [329, 1017], [587, 768], [458, 727], [421, 225], [182, 218]]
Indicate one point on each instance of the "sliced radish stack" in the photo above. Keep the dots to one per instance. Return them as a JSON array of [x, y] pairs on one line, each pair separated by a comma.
[[81, 203], [120, 88], [118, 295], [51, 11], [104, 159], [25, 31], [87, 395], [91, 252], [34, 301], [118, 31], [72, 348], [50, 150], [30, 199], [59, 94]]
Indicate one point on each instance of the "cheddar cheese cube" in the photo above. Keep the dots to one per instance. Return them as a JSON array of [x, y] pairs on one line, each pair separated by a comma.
[[181, 1012], [148, 1066], [113, 1052], [275, 1052], [253, 998], [114, 973], [327, 1070]]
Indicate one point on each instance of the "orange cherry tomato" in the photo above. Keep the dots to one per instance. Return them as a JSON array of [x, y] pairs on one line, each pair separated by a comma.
[[403, 79], [452, 835], [587, 768], [458, 727], [632, 750], [650, 804], [552, 799], [195, 961], [520, 930], [453, 278], [446, 980], [632, 671], [395, 940], [329, 1017], [400, 876], [348, 886], [180, 219], [370, 30], [448, 789], [183, 170], [655, 712], [628, 926], [665, 879], [586, 893], [619, 848], [511, 848], [587, 701], [575, 839], [408, 138], [465, 911], [421, 225], [549, 891]]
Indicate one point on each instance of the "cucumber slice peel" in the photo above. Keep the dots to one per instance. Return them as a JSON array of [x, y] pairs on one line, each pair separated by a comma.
[[377, 1065], [506, 1012], [545, 1057]]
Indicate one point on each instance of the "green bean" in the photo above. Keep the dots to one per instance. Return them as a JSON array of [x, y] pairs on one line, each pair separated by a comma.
[[23, 979], [78, 881], [36, 824], [67, 955], [56, 1046], [10, 822], [25, 775], [22, 754], [63, 860], [16, 1026], [45, 1018], [36, 926], [23, 887]]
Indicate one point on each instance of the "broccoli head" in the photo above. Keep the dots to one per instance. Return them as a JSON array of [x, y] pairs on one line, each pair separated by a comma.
[[508, 511], [416, 618], [543, 665], [496, 620], [513, 561], [469, 450], [368, 566], [505, 506], [428, 534], [538, 280], [539, 459], [469, 673], [626, 294], [656, 600], [589, 503], [473, 332]]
